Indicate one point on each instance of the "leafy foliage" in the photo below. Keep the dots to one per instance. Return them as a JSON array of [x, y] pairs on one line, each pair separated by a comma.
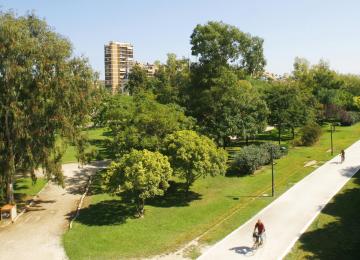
[[193, 156], [310, 134], [144, 173], [171, 81], [251, 157], [140, 122], [44, 92], [220, 44], [289, 107], [137, 81]]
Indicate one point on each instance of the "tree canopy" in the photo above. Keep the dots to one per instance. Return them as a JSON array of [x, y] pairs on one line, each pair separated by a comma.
[[193, 156], [219, 44], [140, 122], [44, 92], [289, 107], [144, 173]]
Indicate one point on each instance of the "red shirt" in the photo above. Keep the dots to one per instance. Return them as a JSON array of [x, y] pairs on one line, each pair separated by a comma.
[[260, 227]]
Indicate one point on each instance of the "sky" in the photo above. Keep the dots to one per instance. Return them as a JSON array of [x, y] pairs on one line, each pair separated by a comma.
[[311, 29]]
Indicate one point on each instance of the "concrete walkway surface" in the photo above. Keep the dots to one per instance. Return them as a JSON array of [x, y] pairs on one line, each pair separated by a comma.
[[37, 233], [291, 214]]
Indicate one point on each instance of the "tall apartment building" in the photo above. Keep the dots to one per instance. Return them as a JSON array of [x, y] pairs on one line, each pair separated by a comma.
[[118, 63]]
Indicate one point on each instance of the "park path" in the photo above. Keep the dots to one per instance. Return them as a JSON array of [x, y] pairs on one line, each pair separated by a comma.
[[37, 233], [289, 216]]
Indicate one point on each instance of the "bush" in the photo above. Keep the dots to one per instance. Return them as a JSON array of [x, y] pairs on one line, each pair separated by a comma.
[[251, 157], [310, 134], [277, 150], [348, 118]]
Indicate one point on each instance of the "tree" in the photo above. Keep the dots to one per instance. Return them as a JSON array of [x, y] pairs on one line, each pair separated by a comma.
[[140, 122], [230, 107], [240, 112], [219, 44], [44, 93], [145, 174], [288, 107], [171, 80], [137, 81], [193, 156]]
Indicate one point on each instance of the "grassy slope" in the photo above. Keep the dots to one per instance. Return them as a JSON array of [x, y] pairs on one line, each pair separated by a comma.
[[106, 230], [335, 234]]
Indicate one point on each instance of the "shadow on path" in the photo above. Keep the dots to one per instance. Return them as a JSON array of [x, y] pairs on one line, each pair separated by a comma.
[[243, 250]]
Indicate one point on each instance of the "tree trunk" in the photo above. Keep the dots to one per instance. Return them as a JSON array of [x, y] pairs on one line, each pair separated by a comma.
[[293, 132], [9, 169], [224, 142], [10, 191], [189, 181], [140, 207]]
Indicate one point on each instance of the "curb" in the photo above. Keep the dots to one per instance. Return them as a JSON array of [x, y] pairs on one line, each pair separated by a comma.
[[81, 201]]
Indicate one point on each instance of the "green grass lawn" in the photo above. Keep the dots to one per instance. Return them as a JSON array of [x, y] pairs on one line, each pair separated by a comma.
[[335, 234], [25, 190], [216, 206], [97, 138]]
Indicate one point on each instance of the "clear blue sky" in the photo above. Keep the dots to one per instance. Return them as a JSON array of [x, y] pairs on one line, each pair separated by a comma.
[[312, 29]]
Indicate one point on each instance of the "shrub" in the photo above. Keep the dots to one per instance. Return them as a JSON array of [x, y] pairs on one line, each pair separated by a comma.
[[277, 151], [348, 118], [310, 134], [249, 159]]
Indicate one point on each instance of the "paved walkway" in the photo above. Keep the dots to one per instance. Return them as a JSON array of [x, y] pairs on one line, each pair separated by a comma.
[[37, 233], [289, 216]]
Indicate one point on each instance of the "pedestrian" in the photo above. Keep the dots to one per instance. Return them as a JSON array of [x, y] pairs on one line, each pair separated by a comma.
[[342, 154]]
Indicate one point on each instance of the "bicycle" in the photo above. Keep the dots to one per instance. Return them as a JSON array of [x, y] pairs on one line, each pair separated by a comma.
[[259, 240]]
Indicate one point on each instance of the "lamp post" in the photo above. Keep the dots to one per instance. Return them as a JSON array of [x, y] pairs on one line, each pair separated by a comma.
[[331, 138], [272, 171]]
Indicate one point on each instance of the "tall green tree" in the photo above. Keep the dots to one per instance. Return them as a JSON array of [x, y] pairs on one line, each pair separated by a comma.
[[240, 112], [145, 174], [230, 107], [171, 80], [140, 122], [193, 156], [44, 93], [137, 81], [288, 107], [219, 44]]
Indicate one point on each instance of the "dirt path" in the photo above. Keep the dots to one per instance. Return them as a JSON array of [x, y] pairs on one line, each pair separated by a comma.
[[37, 233]]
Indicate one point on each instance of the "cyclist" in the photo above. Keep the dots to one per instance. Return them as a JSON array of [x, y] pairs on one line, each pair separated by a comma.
[[342, 154], [259, 226]]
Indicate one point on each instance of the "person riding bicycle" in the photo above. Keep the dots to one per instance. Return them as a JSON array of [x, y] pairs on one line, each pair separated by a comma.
[[342, 154], [259, 226]]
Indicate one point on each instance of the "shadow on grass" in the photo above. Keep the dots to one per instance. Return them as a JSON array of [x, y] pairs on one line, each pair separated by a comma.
[[117, 211], [20, 184], [175, 196], [107, 212], [338, 239]]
